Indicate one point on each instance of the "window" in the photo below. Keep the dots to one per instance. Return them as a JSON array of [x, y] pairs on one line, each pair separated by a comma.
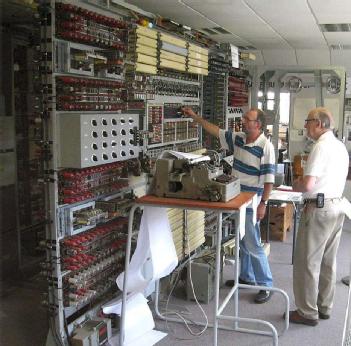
[[284, 108]]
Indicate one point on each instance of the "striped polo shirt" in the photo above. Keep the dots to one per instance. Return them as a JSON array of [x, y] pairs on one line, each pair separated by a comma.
[[254, 163]]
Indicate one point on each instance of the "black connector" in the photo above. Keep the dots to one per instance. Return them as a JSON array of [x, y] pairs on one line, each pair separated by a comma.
[[320, 200]]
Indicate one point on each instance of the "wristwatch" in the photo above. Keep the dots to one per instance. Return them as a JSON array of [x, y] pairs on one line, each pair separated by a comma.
[[264, 201]]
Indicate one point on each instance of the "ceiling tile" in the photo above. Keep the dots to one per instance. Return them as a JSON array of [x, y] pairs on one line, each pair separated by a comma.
[[331, 11], [313, 57], [291, 20], [338, 37], [279, 57], [341, 58]]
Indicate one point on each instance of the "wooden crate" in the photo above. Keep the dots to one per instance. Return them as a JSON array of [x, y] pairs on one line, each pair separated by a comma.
[[281, 221], [298, 164]]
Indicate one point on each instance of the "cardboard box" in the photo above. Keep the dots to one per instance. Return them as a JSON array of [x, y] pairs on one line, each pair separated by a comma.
[[280, 221], [299, 164]]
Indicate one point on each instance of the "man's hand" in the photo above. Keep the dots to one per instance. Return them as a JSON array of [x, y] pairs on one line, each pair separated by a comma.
[[261, 211], [189, 112], [297, 184], [207, 126], [304, 184]]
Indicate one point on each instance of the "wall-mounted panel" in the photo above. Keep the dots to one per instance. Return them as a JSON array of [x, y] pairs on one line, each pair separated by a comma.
[[94, 139]]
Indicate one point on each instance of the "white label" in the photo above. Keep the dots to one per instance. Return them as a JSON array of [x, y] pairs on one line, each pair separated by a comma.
[[235, 56]]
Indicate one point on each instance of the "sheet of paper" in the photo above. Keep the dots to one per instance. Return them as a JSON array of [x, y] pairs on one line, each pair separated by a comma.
[[192, 158], [284, 188], [148, 339], [138, 317], [286, 196], [155, 255]]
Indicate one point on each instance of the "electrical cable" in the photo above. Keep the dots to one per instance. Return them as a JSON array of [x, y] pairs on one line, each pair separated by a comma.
[[186, 320]]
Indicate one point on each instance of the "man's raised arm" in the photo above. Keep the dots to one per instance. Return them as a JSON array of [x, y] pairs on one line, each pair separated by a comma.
[[207, 126]]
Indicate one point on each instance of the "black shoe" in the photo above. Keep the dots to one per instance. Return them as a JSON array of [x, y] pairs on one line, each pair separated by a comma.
[[230, 283], [323, 316], [263, 296], [346, 280]]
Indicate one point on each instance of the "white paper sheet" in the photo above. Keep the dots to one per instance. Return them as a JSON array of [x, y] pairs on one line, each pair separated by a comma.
[[286, 196], [138, 317], [155, 255], [148, 339], [192, 158]]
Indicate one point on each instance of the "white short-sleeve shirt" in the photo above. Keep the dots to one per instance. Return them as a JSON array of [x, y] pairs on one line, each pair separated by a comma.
[[329, 163]]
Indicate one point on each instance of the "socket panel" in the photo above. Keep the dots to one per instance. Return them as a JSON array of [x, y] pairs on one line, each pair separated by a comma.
[[88, 140]]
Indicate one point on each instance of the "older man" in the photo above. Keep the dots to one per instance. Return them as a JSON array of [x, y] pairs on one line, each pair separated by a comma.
[[321, 221], [254, 165]]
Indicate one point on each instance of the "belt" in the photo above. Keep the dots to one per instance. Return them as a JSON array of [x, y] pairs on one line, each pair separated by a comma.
[[313, 200]]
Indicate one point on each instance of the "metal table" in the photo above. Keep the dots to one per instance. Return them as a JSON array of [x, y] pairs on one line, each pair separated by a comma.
[[238, 206]]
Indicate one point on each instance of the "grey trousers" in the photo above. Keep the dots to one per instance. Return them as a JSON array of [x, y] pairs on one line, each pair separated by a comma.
[[314, 272]]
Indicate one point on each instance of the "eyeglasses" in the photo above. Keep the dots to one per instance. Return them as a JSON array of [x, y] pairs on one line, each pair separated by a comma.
[[308, 120], [247, 119]]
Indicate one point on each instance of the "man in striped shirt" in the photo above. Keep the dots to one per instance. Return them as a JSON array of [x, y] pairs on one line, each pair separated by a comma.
[[254, 165]]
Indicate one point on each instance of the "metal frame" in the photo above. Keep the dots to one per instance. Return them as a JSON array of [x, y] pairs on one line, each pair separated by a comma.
[[234, 292], [346, 337], [277, 75], [296, 205]]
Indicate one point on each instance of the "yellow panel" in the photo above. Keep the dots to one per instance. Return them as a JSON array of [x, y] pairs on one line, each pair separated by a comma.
[[177, 228], [145, 59], [195, 228], [177, 224], [146, 41], [173, 40], [179, 246], [142, 30], [197, 70], [198, 56], [146, 50], [171, 212], [198, 49], [173, 57], [139, 67], [172, 64], [194, 245], [247, 56], [195, 214], [177, 237], [198, 63]]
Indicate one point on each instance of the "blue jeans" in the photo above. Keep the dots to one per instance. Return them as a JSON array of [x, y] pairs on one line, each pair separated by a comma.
[[253, 260]]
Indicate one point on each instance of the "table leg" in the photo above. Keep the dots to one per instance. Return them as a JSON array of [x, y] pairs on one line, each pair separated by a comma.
[[125, 277], [268, 219], [217, 276], [294, 235]]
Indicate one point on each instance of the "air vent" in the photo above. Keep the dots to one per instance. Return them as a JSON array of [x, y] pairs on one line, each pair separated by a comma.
[[340, 46], [247, 48], [221, 30], [209, 31], [335, 27], [216, 30]]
